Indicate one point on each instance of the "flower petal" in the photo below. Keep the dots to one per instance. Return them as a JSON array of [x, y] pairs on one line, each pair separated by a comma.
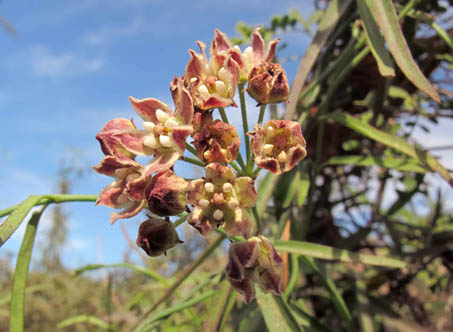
[[245, 191], [130, 212], [109, 143], [147, 107], [199, 221], [183, 101], [258, 46], [110, 164]]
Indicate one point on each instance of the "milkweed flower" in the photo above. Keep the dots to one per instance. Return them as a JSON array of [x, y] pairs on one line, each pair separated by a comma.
[[254, 261], [278, 145], [126, 192], [217, 142], [110, 141], [221, 199], [267, 81], [156, 236], [165, 132], [166, 194], [212, 82]]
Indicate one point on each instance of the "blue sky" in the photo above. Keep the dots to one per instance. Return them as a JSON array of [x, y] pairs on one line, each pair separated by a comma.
[[71, 67]]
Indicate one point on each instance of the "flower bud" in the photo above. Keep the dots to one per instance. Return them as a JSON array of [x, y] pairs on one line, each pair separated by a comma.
[[254, 261], [268, 83], [166, 194], [156, 236]]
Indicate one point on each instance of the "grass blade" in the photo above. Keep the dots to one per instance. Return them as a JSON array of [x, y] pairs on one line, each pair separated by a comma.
[[329, 253], [16, 217], [375, 40], [385, 15], [140, 269], [277, 316], [91, 320], [392, 141], [21, 273]]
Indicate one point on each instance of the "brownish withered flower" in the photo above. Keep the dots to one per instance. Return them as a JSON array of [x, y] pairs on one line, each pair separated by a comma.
[[156, 236], [267, 81], [278, 145], [217, 142], [166, 194], [254, 261]]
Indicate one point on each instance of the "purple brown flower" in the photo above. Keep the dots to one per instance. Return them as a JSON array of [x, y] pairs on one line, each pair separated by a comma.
[[254, 261], [217, 142], [221, 199], [212, 82], [127, 191], [278, 145], [156, 236], [166, 194]]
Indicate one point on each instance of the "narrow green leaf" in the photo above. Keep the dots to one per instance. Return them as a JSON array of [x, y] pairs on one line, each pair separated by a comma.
[[147, 324], [385, 15], [329, 253], [276, 314], [400, 164], [326, 26], [375, 40], [442, 34], [8, 227], [363, 306], [140, 269], [21, 272], [392, 141], [91, 320], [335, 295]]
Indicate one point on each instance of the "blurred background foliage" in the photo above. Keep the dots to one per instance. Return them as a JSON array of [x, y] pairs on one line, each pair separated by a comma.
[[366, 186]]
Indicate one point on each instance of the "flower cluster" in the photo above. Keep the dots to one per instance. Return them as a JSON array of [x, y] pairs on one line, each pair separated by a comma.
[[223, 196]]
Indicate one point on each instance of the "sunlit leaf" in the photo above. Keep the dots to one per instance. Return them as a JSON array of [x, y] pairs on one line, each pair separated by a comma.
[[21, 273], [385, 15], [395, 142], [329, 253], [375, 40], [276, 314], [16, 217]]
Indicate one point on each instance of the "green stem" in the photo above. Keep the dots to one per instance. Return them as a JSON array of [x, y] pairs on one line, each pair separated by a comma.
[[223, 115], [57, 198], [193, 161], [236, 168], [180, 280], [245, 125], [191, 149], [178, 222], [21, 273], [261, 115], [259, 225]]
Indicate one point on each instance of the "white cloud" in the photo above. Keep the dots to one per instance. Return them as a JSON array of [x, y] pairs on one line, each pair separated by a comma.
[[108, 32], [46, 63]]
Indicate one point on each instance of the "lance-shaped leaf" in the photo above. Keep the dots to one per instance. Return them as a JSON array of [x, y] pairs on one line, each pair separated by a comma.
[[385, 15], [375, 40], [392, 141]]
